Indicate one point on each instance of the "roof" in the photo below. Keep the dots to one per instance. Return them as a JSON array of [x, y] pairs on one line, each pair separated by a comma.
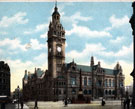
[[110, 71], [85, 68], [39, 72]]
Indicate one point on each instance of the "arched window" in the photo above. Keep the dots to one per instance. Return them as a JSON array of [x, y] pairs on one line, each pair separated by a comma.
[[106, 92], [109, 92], [89, 91], [85, 81], [73, 81], [73, 91], [85, 91]]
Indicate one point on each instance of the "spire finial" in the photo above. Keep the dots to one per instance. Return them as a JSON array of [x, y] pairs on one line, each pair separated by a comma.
[[55, 3]]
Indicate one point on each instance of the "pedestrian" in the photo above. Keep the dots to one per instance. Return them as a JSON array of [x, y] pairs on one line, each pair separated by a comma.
[[124, 103], [128, 103], [66, 103], [103, 102], [36, 105], [21, 104]]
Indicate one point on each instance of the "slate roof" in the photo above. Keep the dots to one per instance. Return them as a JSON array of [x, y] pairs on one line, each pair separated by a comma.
[[85, 68], [39, 72]]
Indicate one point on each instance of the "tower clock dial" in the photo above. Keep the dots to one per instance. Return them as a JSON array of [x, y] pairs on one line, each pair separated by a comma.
[[58, 48]]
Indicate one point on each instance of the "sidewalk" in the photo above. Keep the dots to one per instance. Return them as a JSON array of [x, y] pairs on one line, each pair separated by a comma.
[[15, 106]]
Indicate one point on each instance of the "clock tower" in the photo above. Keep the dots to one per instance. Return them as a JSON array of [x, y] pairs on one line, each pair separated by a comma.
[[56, 45]]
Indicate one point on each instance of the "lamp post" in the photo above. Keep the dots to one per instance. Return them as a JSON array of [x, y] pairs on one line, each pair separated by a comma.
[[18, 90], [132, 22]]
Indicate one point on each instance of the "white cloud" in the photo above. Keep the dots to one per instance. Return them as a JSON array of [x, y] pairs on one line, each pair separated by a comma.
[[83, 31], [15, 19], [41, 58], [117, 22], [38, 28], [43, 35], [117, 40], [89, 48], [75, 18], [99, 49], [125, 51], [36, 45], [12, 44]]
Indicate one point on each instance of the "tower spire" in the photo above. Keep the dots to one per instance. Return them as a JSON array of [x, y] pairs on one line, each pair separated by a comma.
[[55, 3]]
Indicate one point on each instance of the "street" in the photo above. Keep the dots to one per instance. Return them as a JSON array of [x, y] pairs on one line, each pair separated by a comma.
[[60, 105]]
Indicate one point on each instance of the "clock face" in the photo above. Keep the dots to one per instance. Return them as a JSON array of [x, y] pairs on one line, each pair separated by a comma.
[[59, 49]]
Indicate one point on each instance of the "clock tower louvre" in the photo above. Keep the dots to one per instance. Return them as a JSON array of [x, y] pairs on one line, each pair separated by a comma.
[[56, 45]]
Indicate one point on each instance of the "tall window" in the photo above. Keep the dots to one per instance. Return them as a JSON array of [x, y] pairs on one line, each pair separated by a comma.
[[89, 82], [109, 82], [113, 83], [121, 84], [105, 82], [73, 81], [85, 81]]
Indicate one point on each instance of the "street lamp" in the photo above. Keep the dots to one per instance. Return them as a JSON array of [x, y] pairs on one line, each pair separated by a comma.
[[18, 91], [132, 22]]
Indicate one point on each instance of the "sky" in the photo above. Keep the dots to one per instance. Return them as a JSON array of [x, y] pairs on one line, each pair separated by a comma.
[[99, 29]]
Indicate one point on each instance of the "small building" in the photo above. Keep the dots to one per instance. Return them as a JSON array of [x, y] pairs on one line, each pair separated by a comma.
[[4, 79]]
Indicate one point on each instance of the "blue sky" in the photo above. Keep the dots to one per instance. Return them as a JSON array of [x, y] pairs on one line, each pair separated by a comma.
[[100, 29]]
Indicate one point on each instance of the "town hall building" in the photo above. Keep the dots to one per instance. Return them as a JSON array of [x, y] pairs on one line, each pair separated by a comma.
[[62, 80]]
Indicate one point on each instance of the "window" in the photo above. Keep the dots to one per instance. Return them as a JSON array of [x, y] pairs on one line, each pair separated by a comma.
[[85, 81], [113, 92], [89, 82], [106, 92], [112, 83], [109, 82], [60, 92], [109, 92], [73, 81], [105, 82], [73, 91], [85, 91], [89, 91], [121, 84]]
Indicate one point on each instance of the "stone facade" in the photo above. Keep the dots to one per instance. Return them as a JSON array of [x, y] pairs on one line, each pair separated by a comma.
[[62, 80], [4, 79]]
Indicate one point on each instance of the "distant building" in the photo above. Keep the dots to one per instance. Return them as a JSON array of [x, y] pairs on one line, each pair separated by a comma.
[[129, 89], [61, 80], [4, 79]]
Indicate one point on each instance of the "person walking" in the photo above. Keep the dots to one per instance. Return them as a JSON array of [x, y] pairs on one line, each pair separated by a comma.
[[66, 102], [128, 103], [103, 102], [124, 103], [21, 104]]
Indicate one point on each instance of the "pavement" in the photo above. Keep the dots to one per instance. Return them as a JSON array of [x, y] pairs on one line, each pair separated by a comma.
[[15, 106], [60, 105]]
